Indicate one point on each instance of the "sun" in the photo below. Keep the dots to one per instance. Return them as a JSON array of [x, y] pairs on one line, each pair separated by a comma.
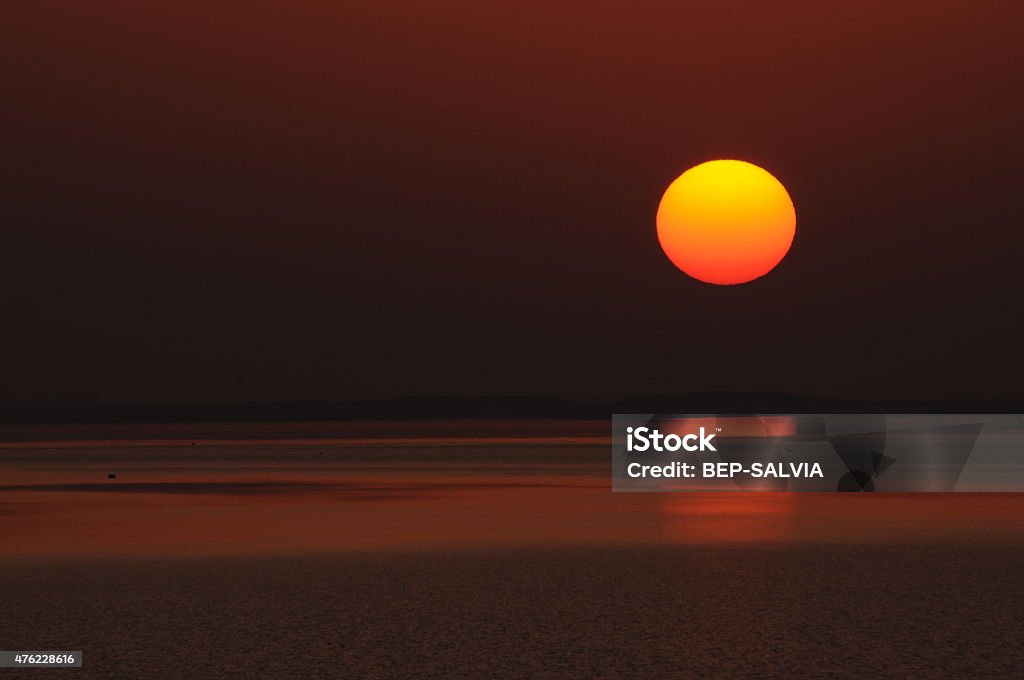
[[726, 222]]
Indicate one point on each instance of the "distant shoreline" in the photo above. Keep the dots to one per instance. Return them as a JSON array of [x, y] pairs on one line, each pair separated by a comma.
[[483, 408]]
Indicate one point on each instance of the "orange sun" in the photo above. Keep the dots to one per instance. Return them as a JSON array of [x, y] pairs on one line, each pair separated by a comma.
[[726, 222]]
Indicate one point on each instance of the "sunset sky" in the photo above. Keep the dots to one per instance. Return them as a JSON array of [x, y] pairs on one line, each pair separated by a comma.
[[237, 200]]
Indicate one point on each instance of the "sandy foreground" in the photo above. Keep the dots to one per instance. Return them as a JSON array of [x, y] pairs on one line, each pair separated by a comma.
[[677, 611]]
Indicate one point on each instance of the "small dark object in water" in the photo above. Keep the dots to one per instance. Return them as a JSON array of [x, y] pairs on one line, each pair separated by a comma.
[[111, 476], [193, 443]]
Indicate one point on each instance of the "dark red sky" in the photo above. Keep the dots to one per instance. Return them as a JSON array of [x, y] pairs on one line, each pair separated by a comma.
[[332, 200]]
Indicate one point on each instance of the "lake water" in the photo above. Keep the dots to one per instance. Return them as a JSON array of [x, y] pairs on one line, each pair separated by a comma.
[[261, 490]]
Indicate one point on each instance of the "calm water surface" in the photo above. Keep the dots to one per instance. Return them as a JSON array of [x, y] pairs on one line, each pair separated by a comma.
[[221, 490]]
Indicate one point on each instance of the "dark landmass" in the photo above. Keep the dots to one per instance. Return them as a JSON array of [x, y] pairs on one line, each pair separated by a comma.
[[488, 407]]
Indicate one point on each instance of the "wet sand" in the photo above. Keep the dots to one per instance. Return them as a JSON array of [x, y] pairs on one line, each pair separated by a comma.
[[642, 611]]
